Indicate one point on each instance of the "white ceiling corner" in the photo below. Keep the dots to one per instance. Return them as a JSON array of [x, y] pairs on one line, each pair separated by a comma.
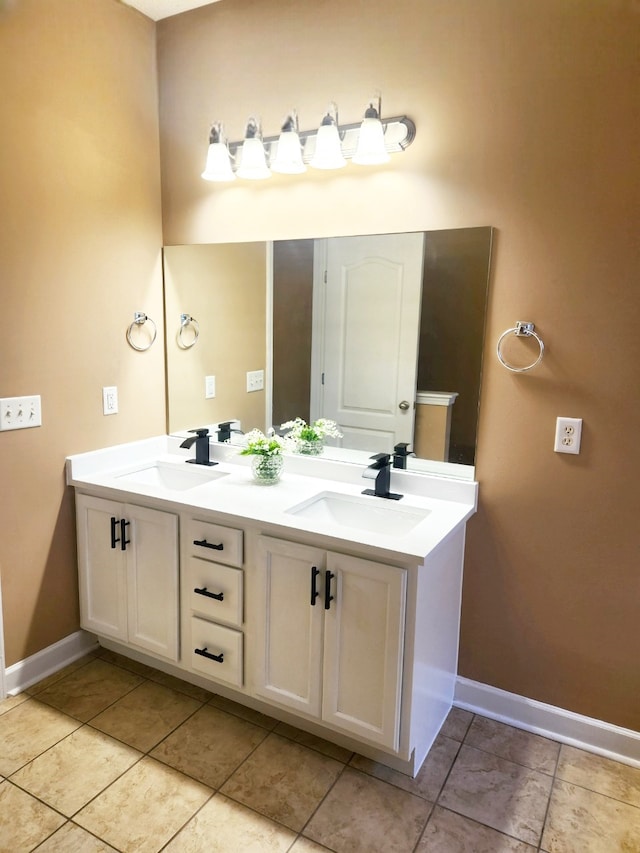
[[157, 9]]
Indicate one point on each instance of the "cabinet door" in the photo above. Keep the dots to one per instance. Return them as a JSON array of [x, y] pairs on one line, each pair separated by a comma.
[[101, 567], [288, 667], [363, 648], [152, 576]]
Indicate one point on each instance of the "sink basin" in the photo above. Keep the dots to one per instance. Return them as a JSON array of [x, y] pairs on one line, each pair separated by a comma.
[[177, 477], [375, 515]]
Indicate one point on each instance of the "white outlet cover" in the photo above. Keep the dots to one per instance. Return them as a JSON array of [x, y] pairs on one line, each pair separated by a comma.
[[110, 400], [568, 434]]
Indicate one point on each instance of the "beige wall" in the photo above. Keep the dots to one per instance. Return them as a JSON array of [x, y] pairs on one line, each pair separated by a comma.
[[79, 253], [230, 311], [527, 119]]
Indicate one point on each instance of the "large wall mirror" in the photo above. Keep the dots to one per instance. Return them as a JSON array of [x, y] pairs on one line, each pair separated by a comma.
[[382, 333]]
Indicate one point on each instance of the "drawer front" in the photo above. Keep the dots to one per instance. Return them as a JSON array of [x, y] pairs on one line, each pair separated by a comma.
[[216, 651], [215, 591], [214, 542]]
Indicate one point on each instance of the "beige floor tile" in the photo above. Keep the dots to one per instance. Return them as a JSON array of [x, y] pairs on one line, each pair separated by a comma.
[[222, 826], [181, 686], [89, 690], [210, 745], [361, 814], [71, 838], [24, 822], [12, 701], [525, 748], [456, 724], [245, 713], [314, 742], [283, 780], [581, 820], [151, 801], [76, 769], [146, 715], [29, 729], [493, 791], [305, 845], [448, 832], [429, 781], [39, 686], [600, 774]]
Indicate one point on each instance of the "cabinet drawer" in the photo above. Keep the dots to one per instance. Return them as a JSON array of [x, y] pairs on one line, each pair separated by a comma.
[[214, 542], [216, 651], [215, 591]]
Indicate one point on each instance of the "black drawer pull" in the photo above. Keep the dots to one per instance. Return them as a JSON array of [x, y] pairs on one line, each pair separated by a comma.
[[219, 596], [315, 571], [114, 539], [204, 544], [123, 534], [205, 654], [328, 598]]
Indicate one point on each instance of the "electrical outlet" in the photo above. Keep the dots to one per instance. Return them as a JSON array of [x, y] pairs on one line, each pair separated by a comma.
[[20, 412], [255, 380], [568, 432], [110, 400], [209, 387]]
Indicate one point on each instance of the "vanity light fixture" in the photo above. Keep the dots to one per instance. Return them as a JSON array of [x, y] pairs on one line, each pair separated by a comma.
[[288, 156], [218, 166], [371, 150], [368, 142], [328, 150], [252, 156]]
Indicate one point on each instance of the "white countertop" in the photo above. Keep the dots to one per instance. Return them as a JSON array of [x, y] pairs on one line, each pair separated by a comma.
[[450, 502]]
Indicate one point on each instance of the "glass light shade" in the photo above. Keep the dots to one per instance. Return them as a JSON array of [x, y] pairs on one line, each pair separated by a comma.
[[371, 149], [253, 162], [328, 153], [288, 160], [218, 166]]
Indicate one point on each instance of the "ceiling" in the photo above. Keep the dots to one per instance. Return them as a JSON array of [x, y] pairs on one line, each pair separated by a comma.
[[157, 9]]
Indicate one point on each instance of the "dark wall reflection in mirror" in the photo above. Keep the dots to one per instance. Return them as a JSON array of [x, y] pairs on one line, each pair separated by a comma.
[[451, 332]]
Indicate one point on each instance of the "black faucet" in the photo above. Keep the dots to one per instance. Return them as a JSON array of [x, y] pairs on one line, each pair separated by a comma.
[[400, 453], [201, 441], [380, 470], [225, 430]]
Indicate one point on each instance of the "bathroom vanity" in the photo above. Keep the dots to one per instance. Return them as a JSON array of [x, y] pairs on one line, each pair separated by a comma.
[[333, 611]]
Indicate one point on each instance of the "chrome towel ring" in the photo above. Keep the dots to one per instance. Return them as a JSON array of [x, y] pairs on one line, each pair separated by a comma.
[[521, 330], [139, 319], [187, 320]]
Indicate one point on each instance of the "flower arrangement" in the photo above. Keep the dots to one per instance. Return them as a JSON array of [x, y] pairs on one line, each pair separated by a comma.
[[308, 438], [258, 444]]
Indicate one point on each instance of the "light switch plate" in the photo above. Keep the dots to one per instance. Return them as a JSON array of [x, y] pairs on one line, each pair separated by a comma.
[[255, 380], [209, 387], [20, 412]]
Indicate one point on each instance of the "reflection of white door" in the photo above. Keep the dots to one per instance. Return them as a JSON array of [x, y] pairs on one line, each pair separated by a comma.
[[366, 337]]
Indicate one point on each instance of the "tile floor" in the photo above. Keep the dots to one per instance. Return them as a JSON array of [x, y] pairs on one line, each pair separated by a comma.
[[108, 755]]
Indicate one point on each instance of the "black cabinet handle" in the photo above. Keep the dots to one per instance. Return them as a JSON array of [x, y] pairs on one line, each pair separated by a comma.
[[204, 544], [205, 654], [114, 538], [315, 571], [328, 598], [219, 596], [123, 534]]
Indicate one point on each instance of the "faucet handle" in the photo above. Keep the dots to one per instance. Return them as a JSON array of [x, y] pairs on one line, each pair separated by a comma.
[[380, 460], [200, 432]]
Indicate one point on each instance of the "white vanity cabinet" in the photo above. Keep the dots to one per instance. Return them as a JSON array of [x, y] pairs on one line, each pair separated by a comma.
[[213, 593], [128, 573], [329, 637]]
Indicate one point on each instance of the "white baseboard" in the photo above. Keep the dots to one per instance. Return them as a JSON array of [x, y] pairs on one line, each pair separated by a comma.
[[549, 721], [29, 671]]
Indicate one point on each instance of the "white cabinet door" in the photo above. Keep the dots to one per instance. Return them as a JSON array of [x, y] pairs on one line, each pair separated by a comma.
[[363, 648], [128, 573], [102, 575], [152, 578], [288, 667]]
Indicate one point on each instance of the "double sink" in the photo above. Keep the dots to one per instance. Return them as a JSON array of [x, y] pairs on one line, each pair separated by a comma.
[[360, 512]]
